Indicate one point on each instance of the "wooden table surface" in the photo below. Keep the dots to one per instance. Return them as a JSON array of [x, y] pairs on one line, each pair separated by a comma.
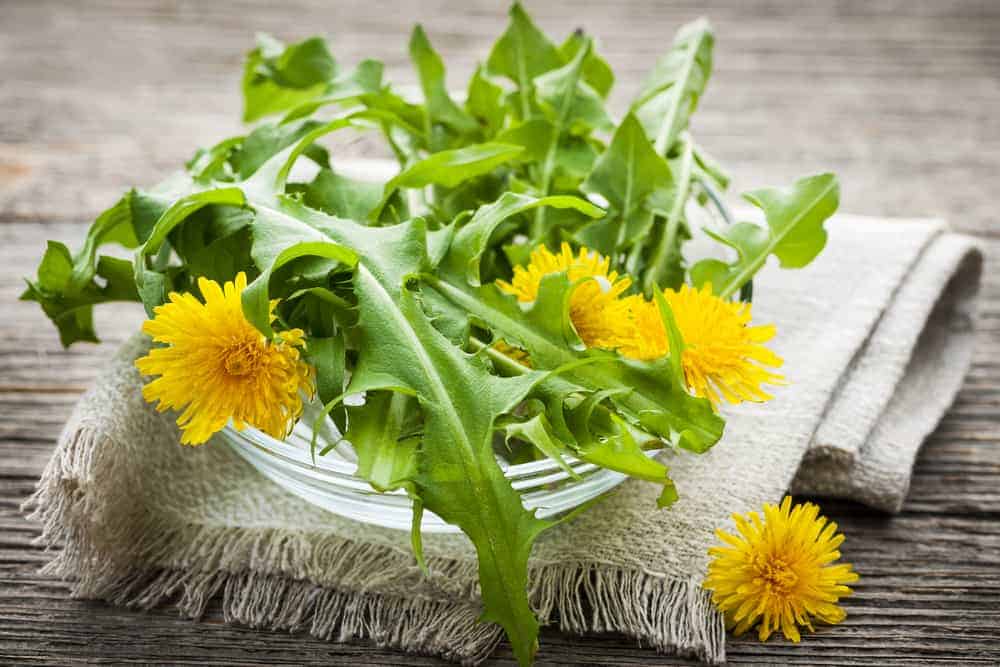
[[901, 98]]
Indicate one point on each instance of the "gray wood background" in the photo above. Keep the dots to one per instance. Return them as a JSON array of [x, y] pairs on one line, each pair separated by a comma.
[[901, 98]]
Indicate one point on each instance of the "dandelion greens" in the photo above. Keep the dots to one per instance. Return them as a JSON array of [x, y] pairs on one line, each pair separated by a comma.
[[521, 280]]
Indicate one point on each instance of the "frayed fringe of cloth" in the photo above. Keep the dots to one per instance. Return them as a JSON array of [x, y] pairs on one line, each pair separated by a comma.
[[110, 552]]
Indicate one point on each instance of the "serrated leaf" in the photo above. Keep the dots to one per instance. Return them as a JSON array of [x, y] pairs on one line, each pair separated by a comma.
[[629, 170], [675, 341], [221, 258], [343, 197], [213, 164], [128, 223], [794, 233], [655, 400], [256, 297], [327, 356], [430, 69], [571, 106], [153, 285], [364, 80], [796, 215], [484, 102], [536, 431], [449, 168], [596, 71], [666, 263], [278, 77], [72, 312], [566, 99], [522, 52], [626, 174], [534, 136], [708, 168], [472, 239], [400, 350], [113, 225], [387, 452], [267, 141], [671, 92], [610, 443], [464, 485]]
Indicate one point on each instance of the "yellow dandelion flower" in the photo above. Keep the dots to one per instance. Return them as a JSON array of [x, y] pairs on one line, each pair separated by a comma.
[[216, 366], [724, 357], [778, 573], [598, 314]]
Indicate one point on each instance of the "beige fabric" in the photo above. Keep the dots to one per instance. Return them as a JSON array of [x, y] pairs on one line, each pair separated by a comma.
[[145, 522]]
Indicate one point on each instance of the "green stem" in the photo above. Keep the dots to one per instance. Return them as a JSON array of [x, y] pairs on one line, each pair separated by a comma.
[[668, 240], [629, 209], [739, 279], [663, 136], [538, 229], [512, 367], [538, 225], [590, 376]]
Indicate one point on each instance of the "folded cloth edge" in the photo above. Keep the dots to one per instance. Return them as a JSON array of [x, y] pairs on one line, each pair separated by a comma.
[[938, 357]]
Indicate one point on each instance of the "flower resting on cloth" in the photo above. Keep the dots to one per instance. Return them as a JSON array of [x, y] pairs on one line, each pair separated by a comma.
[[778, 573], [598, 314], [724, 357], [216, 366]]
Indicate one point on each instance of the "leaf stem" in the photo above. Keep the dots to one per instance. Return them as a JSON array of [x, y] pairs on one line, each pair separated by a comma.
[[737, 281], [548, 167], [509, 365], [663, 137], [668, 241], [628, 209]]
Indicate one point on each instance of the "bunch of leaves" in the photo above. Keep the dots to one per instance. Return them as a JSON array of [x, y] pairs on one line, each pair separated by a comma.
[[393, 282]]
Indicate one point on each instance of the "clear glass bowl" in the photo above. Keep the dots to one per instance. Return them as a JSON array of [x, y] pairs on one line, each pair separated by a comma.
[[330, 482]]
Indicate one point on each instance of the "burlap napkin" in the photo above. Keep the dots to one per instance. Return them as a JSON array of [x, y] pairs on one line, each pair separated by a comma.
[[876, 336]]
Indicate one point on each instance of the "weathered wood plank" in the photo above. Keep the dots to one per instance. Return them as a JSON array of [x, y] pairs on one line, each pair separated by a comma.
[[860, 90]]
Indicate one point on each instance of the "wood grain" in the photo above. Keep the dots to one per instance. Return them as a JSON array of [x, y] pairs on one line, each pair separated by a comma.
[[900, 98]]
